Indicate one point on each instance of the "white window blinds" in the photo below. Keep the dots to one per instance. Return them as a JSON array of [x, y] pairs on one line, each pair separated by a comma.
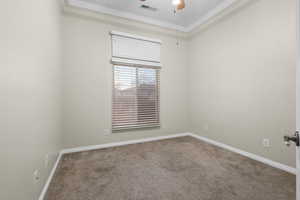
[[135, 97], [132, 49]]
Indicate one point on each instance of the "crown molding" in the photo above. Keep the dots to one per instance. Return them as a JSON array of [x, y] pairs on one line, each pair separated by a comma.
[[220, 11], [216, 16], [121, 22], [211, 14]]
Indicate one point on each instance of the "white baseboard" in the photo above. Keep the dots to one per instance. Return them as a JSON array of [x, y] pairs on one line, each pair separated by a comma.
[[116, 144], [46, 186], [150, 139], [247, 154]]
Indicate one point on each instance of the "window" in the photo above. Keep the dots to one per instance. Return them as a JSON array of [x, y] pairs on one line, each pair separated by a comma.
[[135, 97], [136, 66]]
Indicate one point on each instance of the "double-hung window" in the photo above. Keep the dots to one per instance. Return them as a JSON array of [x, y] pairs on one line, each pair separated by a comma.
[[136, 82]]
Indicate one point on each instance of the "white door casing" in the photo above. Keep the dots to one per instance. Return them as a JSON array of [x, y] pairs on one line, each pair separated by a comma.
[[298, 97]]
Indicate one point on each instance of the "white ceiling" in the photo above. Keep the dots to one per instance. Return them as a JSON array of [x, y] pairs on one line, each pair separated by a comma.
[[195, 13]]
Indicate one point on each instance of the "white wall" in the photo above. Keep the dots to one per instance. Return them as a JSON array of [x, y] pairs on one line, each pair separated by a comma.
[[30, 68], [88, 83], [242, 79]]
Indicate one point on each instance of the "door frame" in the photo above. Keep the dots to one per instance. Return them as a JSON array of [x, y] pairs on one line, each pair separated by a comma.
[[298, 95]]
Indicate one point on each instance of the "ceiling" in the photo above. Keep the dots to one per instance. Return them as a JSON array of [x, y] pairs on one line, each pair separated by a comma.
[[196, 12]]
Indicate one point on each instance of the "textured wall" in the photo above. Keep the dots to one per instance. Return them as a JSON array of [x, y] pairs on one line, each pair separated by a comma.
[[242, 79]]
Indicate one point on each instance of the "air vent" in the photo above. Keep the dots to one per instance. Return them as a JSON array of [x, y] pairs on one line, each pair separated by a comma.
[[148, 7]]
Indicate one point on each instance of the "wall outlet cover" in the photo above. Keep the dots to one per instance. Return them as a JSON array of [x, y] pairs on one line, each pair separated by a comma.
[[36, 176], [266, 142]]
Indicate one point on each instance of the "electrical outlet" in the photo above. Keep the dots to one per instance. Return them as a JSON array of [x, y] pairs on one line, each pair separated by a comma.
[[36, 176], [46, 160], [106, 131], [266, 142]]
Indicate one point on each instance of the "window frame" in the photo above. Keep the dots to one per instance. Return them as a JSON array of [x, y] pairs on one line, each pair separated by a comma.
[[157, 101]]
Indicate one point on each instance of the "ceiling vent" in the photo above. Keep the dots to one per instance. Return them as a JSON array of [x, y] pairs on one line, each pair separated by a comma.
[[148, 7]]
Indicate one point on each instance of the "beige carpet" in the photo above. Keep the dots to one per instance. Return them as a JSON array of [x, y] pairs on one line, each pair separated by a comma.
[[175, 169]]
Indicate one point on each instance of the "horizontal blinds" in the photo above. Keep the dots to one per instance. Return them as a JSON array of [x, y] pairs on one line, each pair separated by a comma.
[[135, 97]]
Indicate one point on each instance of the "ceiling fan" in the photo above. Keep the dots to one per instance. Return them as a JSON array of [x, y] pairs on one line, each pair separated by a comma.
[[180, 4]]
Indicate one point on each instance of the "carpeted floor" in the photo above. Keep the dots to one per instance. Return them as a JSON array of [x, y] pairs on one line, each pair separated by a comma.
[[175, 169]]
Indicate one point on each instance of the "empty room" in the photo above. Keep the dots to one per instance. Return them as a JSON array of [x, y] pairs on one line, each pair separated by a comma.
[[150, 100]]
